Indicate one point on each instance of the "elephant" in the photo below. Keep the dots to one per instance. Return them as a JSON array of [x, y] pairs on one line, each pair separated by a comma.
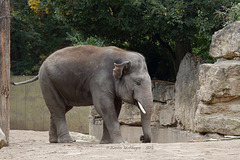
[[87, 75]]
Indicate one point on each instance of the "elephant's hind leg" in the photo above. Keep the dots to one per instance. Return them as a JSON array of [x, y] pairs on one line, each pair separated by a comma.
[[61, 129], [58, 132], [59, 124], [53, 137]]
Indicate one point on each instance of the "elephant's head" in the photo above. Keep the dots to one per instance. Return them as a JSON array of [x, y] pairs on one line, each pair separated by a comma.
[[133, 85]]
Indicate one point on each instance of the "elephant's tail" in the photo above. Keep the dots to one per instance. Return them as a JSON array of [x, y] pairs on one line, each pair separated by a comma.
[[25, 82]]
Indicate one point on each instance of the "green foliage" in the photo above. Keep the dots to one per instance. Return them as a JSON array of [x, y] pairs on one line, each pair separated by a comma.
[[34, 35], [162, 30], [201, 47], [77, 39], [229, 14], [131, 23]]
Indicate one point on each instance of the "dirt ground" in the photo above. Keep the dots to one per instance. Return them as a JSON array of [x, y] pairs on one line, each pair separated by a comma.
[[32, 145]]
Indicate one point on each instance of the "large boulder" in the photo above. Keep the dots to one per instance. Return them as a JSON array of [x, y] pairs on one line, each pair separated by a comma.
[[130, 115], [219, 94], [222, 118], [3, 140], [187, 84], [225, 42], [220, 82]]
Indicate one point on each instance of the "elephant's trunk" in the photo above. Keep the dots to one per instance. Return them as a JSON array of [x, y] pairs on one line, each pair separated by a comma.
[[146, 119]]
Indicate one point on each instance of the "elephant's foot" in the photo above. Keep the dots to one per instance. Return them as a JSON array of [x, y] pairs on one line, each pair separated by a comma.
[[65, 139], [144, 139], [105, 141], [53, 138]]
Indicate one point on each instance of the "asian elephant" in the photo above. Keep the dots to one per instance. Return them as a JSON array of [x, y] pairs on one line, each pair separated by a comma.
[[103, 76]]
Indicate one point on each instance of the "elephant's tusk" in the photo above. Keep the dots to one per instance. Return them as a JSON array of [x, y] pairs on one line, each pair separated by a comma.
[[141, 107]]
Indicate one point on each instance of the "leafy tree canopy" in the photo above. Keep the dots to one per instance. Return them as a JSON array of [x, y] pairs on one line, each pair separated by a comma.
[[162, 30], [174, 26]]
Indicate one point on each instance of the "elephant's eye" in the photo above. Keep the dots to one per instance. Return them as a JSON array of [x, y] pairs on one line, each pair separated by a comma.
[[138, 83]]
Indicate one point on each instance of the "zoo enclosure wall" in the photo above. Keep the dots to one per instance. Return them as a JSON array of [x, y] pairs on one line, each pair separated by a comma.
[[29, 112]]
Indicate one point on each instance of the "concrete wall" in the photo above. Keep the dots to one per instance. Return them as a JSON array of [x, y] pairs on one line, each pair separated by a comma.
[[29, 112]]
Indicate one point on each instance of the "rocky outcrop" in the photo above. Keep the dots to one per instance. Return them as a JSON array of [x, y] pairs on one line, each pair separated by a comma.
[[219, 93], [220, 82], [187, 84], [3, 140], [226, 42]]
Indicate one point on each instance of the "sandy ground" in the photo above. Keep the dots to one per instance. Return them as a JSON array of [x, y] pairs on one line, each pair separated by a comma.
[[32, 145]]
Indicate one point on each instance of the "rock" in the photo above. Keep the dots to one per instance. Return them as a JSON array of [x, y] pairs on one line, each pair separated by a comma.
[[79, 137], [164, 114], [225, 42], [220, 82], [163, 107], [187, 84], [162, 91], [222, 118], [219, 93], [130, 115], [3, 140]]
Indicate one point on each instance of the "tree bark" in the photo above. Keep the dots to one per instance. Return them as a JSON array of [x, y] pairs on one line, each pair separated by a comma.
[[5, 66]]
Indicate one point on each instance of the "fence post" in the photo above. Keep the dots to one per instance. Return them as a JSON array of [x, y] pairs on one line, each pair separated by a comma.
[[4, 66]]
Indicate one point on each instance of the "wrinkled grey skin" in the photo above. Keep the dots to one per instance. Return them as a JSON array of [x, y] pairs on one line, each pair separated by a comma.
[[103, 76]]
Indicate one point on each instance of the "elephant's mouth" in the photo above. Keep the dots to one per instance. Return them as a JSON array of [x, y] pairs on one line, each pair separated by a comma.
[[140, 106]]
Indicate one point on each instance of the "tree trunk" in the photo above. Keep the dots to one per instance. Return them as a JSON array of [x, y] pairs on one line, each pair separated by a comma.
[[5, 66], [182, 48]]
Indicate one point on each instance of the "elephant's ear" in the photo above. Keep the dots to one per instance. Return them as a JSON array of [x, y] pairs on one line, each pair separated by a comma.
[[121, 69]]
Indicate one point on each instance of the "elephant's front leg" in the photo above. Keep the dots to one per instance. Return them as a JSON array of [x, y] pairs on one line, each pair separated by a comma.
[[106, 138], [106, 108]]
